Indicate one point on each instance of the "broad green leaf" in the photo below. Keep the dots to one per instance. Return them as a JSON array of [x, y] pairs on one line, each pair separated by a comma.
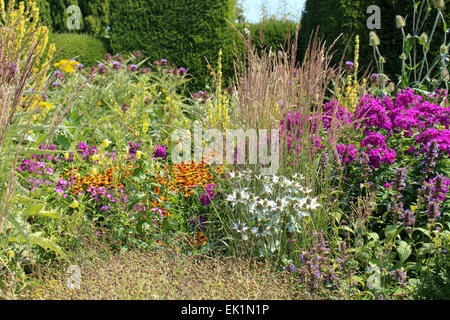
[[62, 141], [404, 250], [373, 236], [33, 210], [424, 231], [337, 215], [426, 248], [48, 214], [46, 244], [346, 228], [391, 232], [19, 229]]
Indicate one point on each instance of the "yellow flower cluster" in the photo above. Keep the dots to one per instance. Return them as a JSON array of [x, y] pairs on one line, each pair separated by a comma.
[[23, 20], [66, 65], [42, 113], [349, 99], [218, 114]]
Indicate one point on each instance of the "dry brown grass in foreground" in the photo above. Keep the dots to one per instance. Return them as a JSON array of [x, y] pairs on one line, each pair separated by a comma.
[[162, 275]]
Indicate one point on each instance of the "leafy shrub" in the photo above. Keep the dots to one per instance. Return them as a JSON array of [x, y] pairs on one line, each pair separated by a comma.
[[274, 32], [96, 15], [89, 49]]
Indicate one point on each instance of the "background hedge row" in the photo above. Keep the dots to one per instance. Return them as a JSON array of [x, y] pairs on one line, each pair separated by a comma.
[[95, 15], [187, 31], [182, 31], [88, 49]]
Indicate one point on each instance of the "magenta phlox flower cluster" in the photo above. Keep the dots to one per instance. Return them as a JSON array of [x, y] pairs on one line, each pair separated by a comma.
[[85, 151], [210, 194], [347, 153], [159, 152]]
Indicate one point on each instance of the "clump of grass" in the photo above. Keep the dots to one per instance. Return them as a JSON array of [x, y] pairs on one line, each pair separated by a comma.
[[161, 275]]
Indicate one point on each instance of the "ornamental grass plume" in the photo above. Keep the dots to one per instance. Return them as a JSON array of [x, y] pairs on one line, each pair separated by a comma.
[[273, 89], [263, 79]]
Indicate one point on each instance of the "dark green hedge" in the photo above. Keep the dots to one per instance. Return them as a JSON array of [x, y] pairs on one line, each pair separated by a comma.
[[181, 31], [95, 15], [350, 18], [90, 49], [274, 33]]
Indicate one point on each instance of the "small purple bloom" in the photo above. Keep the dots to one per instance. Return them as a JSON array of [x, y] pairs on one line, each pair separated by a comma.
[[159, 152], [349, 65]]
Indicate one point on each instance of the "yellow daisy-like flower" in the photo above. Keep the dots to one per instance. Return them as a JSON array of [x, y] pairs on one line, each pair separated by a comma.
[[10, 254], [95, 157], [106, 143], [66, 65], [74, 204], [45, 105]]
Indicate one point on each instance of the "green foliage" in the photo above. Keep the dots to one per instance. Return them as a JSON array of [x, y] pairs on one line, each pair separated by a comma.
[[90, 49], [183, 32], [349, 17], [58, 11], [96, 15], [44, 12], [274, 32]]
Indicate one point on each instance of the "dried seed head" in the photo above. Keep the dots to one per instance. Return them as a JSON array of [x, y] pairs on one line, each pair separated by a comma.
[[439, 4], [424, 38], [400, 22], [374, 41]]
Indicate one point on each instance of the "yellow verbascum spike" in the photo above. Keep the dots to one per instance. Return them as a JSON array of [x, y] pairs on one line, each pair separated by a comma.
[[2, 10]]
